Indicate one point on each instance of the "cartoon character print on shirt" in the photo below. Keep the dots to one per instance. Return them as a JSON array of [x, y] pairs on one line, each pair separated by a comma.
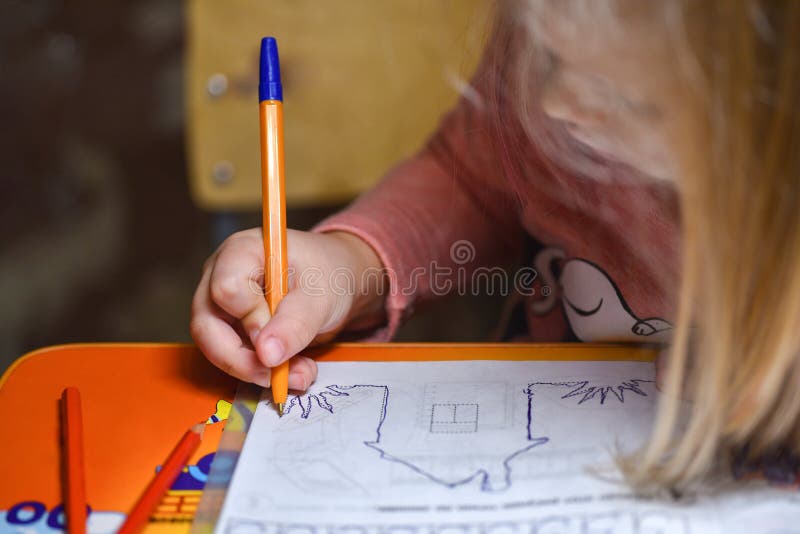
[[593, 304]]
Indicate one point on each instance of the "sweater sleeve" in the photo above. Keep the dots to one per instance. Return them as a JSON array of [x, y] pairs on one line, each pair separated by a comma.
[[435, 218]]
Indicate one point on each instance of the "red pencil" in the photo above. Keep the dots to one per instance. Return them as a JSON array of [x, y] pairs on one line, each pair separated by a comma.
[[162, 481], [74, 487]]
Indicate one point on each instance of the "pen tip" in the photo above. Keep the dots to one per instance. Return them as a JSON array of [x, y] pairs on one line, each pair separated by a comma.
[[281, 406]]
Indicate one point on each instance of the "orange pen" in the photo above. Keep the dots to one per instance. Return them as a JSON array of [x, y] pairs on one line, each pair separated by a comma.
[[74, 481], [273, 197]]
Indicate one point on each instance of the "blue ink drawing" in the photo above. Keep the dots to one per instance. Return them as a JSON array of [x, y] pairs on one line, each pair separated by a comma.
[[488, 478], [321, 400], [453, 449], [586, 392]]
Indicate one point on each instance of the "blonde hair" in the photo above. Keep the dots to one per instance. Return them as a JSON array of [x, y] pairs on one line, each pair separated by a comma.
[[735, 351], [740, 292]]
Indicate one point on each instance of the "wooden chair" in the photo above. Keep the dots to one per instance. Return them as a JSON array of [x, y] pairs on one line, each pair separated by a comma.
[[364, 82]]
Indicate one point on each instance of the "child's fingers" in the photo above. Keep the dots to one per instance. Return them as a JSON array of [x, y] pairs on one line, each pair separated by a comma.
[[236, 281], [219, 341], [299, 318], [221, 344], [302, 373], [223, 347]]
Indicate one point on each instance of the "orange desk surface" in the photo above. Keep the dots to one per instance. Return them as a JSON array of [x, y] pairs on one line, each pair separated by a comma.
[[138, 399]]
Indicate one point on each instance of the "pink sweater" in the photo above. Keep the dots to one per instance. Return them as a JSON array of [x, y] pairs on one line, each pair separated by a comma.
[[605, 253]]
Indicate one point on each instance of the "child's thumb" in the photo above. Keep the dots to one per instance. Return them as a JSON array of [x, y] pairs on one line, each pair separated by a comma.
[[297, 321]]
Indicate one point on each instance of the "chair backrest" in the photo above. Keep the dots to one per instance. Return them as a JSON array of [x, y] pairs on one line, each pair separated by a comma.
[[365, 82]]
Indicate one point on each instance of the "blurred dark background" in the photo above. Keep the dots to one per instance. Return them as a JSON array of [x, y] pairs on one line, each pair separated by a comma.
[[100, 238]]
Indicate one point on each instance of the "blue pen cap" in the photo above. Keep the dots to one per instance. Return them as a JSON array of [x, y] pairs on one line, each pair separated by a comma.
[[269, 76]]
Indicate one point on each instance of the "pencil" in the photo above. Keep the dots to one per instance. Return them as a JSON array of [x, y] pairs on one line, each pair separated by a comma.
[[273, 198], [163, 480], [72, 453]]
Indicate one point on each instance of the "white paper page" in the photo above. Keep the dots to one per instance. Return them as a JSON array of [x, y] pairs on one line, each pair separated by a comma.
[[469, 447]]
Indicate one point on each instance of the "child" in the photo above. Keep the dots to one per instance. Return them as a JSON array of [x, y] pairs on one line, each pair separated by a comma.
[[649, 150]]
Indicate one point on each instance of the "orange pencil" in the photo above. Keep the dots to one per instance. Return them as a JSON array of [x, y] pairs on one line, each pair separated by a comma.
[[163, 480], [273, 198], [72, 454]]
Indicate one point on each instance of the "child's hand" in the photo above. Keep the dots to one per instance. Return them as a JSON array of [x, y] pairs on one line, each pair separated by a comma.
[[230, 319]]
